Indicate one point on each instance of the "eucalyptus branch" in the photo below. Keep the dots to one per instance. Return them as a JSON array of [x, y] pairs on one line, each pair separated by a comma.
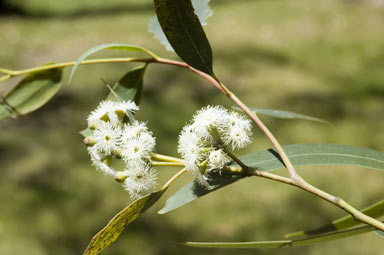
[[12, 73], [295, 179], [244, 168], [356, 214], [214, 81], [156, 163], [173, 178], [165, 158]]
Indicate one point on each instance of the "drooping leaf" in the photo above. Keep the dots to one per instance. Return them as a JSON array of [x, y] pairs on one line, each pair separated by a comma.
[[268, 160], [31, 93], [129, 87], [108, 46], [202, 10], [114, 228], [184, 32], [376, 210], [283, 114], [284, 243]]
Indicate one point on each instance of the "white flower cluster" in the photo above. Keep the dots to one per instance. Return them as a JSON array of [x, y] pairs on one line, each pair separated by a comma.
[[117, 136], [213, 130]]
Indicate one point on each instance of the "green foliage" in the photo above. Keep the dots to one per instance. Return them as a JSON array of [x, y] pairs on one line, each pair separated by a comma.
[[283, 114], [185, 33], [32, 92], [111, 232], [282, 61], [380, 233], [283, 243], [376, 211], [108, 46], [268, 160]]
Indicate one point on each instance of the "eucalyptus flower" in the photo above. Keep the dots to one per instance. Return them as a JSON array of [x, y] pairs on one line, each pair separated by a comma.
[[107, 137], [137, 143], [217, 159], [202, 144], [115, 137], [111, 111], [99, 163], [140, 181]]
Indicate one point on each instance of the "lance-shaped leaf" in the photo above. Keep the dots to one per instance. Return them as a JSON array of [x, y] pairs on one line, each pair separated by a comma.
[[284, 243], [268, 160], [184, 32], [128, 88], [114, 228], [108, 46], [376, 210], [31, 93], [283, 114]]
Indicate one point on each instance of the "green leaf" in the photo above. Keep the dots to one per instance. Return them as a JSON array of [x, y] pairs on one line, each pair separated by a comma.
[[111, 232], [268, 160], [282, 114], [193, 190], [129, 88], [108, 46], [31, 93], [284, 243], [316, 154], [380, 233], [376, 210], [202, 10], [185, 33]]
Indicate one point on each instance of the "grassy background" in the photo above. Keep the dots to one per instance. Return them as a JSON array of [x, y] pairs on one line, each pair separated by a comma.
[[322, 58]]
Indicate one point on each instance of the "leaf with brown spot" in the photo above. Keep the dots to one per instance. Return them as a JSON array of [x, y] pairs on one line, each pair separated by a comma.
[[115, 227]]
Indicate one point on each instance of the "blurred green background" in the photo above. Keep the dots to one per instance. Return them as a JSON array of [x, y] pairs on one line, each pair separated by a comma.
[[322, 58]]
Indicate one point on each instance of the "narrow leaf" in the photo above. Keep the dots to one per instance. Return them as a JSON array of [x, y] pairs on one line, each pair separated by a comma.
[[284, 243], [184, 32], [193, 190], [282, 114], [108, 46], [114, 228], [376, 210], [237, 245], [268, 160], [31, 93], [202, 10]]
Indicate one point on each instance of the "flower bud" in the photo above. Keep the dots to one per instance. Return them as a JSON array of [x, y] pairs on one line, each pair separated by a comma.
[[120, 176]]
